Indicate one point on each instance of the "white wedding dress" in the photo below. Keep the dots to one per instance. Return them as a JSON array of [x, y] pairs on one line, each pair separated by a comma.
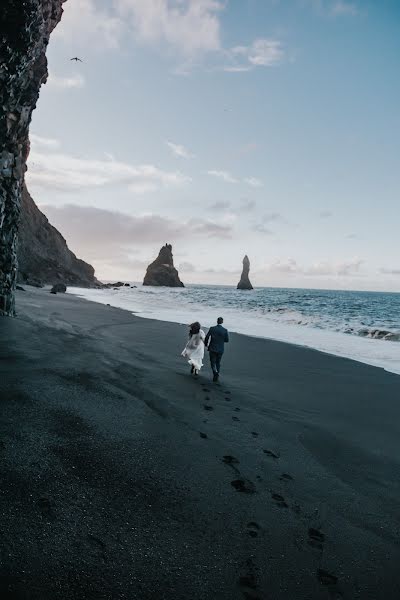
[[194, 350]]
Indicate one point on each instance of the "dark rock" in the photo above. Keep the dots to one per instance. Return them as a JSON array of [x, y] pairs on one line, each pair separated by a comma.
[[25, 29], [34, 283], [20, 288], [244, 283], [126, 284], [43, 254], [113, 285], [162, 272], [58, 288]]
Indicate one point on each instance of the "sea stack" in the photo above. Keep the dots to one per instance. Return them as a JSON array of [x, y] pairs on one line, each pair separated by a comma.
[[244, 283], [162, 272]]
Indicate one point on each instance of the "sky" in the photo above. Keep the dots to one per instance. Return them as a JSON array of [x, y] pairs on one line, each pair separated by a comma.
[[225, 127]]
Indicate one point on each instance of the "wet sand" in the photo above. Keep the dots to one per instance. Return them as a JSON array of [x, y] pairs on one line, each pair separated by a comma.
[[123, 477]]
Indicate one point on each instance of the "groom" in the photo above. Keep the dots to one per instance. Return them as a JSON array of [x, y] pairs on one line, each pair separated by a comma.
[[219, 337]]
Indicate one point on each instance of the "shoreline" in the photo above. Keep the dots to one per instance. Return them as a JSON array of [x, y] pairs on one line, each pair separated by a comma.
[[123, 477], [311, 344]]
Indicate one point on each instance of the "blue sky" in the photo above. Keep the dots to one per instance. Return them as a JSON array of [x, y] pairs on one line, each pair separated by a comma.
[[266, 127]]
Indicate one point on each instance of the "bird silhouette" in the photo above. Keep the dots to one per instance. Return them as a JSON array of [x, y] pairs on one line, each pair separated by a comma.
[[76, 59]]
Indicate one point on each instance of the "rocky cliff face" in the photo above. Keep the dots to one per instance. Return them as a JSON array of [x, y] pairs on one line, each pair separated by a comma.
[[162, 272], [244, 283], [25, 28], [43, 254]]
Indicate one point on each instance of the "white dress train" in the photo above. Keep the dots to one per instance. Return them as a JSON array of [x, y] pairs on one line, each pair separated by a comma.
[[194, 350]]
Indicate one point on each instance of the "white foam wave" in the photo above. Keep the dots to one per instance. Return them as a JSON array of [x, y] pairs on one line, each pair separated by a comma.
[[175, 305]]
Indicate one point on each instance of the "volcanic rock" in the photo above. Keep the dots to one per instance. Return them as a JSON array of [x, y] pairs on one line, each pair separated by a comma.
[[43, 254], [25, 29], [244, 283], [58, 288], [162, 272]]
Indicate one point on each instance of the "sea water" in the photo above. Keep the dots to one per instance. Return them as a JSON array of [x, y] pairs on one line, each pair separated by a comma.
[[364, 326]]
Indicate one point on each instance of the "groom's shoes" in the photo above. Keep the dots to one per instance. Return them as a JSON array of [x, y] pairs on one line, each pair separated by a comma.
[[215, 377], [192, 369]]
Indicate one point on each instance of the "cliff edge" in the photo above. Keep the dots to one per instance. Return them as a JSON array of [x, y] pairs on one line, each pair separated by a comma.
[[25, 29], [43, 254]]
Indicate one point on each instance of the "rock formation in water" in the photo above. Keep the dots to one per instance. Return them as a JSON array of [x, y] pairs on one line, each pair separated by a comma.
[[162, 272], [43, 254], [25, 29], [244, 283]]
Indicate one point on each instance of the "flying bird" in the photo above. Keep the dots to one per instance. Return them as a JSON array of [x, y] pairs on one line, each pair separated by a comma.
[[76, 59]]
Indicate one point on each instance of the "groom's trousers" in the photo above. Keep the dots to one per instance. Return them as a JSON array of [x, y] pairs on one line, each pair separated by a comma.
[[215, 361]]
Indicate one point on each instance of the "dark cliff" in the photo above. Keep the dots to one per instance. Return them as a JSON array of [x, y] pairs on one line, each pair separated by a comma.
[[244, 283], [43, 254], [25, 28], [162, 272]]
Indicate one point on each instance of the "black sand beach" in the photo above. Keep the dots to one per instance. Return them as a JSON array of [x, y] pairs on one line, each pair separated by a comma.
[[124, 478]]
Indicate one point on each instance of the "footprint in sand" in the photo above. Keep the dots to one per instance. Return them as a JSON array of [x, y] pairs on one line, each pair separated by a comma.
[[45, 507], [243, 485], [272, 454], [203, 435], [316, 538], [248, 583], [227, 399], [286, 477], [237, 409], [279, 500], [227, 392], [253, 528], [230, 460], [206, 390], [326, 578], [235, 419], [207, 398], [208, 407], [254, 433]]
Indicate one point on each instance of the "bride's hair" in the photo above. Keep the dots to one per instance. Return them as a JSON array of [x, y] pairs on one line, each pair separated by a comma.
[[194, 328]]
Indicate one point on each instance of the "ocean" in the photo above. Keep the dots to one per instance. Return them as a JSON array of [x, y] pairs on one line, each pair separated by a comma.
[[364, 326]]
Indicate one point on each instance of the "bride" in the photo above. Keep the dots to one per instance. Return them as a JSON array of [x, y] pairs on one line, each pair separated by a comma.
[[194, 349]]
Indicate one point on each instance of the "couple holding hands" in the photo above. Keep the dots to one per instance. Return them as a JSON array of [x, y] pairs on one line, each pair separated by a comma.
[[214, 341]]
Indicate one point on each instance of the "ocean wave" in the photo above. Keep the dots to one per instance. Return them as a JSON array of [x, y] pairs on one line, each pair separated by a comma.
[[380, 334]]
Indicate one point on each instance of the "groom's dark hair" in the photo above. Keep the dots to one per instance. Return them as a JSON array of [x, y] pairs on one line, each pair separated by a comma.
[[220, 320]]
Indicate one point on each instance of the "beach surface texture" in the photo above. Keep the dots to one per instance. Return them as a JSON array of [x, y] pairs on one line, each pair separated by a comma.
[[123, 477]]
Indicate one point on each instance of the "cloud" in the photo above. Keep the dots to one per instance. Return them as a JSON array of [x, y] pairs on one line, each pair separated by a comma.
[[263, 224], [225, 175], [341, 8], [262, 52], [179, 150], [104, 235], [334, 8], [189, 26], [229, 178], [325, 214], [253, 182], [88, 24], [245, 206], [318, 269], [386, 271], [210, 229], [69, 173], [65, 83], [221, 205], [41, 142], [187, 267]]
